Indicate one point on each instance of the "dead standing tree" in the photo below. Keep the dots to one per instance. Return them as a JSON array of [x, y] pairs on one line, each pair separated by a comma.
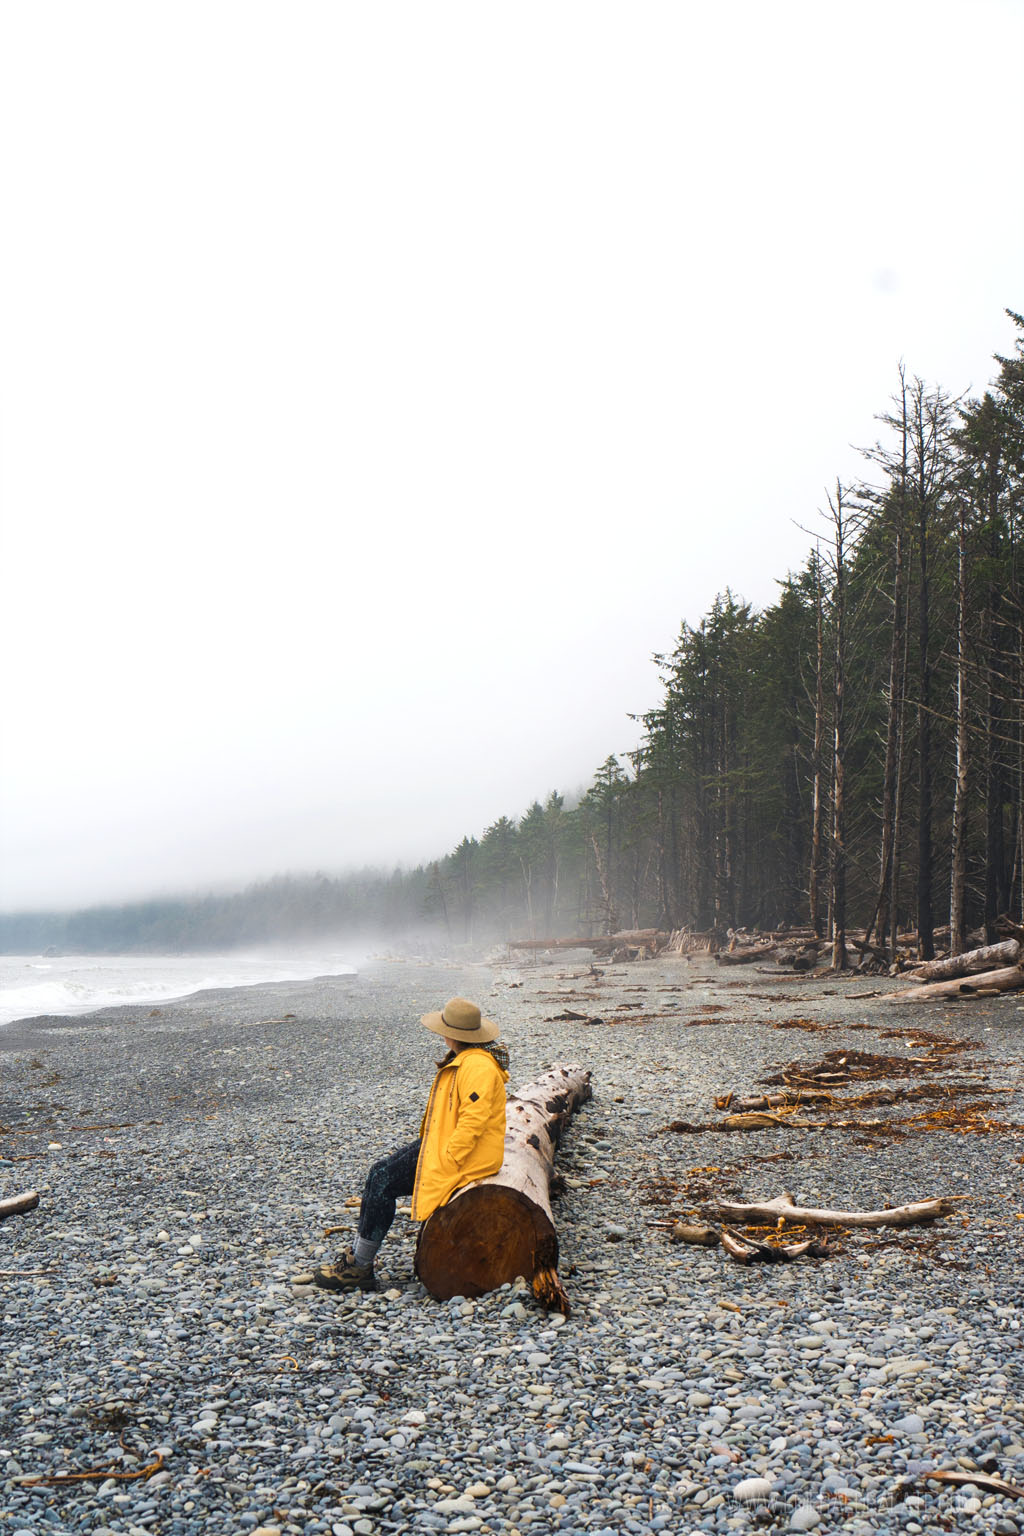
[[845, 527], [818, 756], [891, 502]]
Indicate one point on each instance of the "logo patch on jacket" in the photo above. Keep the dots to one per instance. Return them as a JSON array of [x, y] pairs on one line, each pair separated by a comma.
[[473, 1098]]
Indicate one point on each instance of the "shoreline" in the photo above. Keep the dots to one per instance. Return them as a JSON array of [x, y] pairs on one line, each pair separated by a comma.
[[189, 1157]]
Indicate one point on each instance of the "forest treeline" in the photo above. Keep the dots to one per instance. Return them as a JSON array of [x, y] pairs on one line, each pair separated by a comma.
[[851, 755]]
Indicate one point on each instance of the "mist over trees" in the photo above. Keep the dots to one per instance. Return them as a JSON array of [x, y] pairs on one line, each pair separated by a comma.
[[851, 755]]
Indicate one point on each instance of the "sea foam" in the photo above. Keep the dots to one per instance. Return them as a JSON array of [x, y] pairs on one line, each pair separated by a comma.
[[32, 986]]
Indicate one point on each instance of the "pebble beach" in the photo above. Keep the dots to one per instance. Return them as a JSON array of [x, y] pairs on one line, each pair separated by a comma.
[[163, 1371]]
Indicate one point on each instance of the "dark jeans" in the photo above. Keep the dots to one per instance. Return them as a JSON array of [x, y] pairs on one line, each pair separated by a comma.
[[392, 1175]]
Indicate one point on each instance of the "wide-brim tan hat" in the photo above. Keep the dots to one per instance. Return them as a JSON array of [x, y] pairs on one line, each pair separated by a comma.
[[461, 1020]]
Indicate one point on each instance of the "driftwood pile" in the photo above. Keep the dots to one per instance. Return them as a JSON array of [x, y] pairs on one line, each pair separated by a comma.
[[980, 972], [983, 971]]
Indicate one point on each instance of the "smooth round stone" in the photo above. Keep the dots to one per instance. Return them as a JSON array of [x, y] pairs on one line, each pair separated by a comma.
[[910, 1424], [805, 1518], [753, 1488]]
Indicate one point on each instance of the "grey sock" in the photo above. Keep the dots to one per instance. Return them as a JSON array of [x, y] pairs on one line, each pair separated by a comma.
[[364, 1251]]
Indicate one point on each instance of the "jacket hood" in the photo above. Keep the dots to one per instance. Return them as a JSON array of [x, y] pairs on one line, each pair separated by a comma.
[[496, 1048]]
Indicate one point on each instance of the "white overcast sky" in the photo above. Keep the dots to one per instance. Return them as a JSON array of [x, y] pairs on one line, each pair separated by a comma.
[[381, 384]]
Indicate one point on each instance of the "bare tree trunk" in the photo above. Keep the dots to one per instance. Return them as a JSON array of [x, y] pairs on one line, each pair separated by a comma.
[[898, 792], [817, 763], [838, 896], [527, 870], [611, 920], [958, 873], [884, 908], [925, 920]]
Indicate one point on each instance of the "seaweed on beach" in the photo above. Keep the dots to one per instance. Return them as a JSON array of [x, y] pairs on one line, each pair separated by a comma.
[[836, 1068]]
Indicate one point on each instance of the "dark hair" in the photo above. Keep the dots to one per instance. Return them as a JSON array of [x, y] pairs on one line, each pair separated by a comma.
[[460, 1045]]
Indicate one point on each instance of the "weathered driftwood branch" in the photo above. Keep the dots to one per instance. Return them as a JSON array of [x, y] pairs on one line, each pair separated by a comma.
[[977, 1480], [749, 1250], [784, 1209], [501, 1227], [1009, 980], [984, 959], [17, 1205], [740, 1106]]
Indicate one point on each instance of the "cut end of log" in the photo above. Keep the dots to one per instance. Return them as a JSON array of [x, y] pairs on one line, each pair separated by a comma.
[[485, 1239]]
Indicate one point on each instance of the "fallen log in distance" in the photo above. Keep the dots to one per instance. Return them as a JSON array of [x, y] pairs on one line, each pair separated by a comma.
[[984, 959], [647, 938], [1009, 980], [745, 956], [783, 1208], [17, 1205], [492, 1231]]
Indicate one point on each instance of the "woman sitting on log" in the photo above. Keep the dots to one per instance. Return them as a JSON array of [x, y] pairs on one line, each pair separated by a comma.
[[462, 1138]]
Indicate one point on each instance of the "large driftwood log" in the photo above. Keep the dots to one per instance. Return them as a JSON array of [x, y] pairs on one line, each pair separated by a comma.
[[984, 959], [501, 1227], [745, 956], [784, 1209], [17, 1205], [1009, 980]]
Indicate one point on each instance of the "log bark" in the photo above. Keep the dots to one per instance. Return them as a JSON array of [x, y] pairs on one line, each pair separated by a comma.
[[1009, 980], [496, 1229], [17, 1205], [988, 957], [783, 1209]]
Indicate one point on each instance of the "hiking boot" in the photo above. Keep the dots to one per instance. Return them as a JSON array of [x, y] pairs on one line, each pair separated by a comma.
[[345, 1275]]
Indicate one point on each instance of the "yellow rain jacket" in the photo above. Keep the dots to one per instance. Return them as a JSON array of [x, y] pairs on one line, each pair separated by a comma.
[[463, 1129]]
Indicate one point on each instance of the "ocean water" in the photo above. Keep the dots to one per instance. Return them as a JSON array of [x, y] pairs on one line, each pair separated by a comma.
[[31, 985]]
